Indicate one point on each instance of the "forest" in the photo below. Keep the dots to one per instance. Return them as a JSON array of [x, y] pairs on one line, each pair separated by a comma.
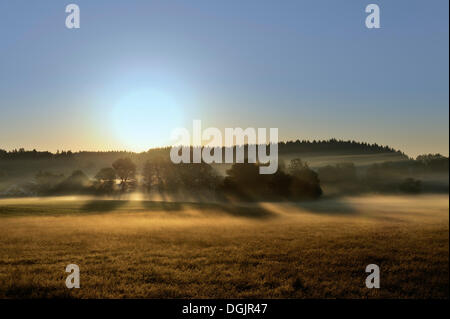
[[37, 173]]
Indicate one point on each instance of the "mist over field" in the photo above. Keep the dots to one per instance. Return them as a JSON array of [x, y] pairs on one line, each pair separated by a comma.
[[148, 249]]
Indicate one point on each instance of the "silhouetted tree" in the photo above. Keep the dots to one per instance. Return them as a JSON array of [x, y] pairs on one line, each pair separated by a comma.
[[126, 170], [152, 175], [411, 185], [245, 180], [305, 183], [105, 180], [77, 182], [106, 174], [280, 183], [47, 181], [165, 176]]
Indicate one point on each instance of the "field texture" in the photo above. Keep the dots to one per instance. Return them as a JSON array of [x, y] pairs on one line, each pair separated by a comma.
[[144, 249]]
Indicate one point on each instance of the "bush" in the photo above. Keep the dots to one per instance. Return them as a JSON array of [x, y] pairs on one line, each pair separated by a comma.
[[411, 185], [300, 182]]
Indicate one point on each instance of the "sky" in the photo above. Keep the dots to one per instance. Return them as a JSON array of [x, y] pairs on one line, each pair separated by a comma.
[[135, 70]]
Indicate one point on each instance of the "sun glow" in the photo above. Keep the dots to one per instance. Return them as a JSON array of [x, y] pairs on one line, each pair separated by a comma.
[[145, 118]]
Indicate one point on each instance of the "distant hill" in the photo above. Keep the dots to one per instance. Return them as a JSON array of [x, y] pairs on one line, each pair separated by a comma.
[[321, 153], [20, 163], [326, 147], [336, 147]]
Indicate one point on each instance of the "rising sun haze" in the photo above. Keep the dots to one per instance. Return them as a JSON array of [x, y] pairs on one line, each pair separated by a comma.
[[144, 118]]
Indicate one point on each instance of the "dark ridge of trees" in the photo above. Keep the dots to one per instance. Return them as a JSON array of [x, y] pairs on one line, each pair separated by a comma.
[[27, 155], [304, 146], [22, 154], [335, 146]]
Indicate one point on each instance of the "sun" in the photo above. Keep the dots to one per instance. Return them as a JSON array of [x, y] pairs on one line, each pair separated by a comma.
[[144, 118]]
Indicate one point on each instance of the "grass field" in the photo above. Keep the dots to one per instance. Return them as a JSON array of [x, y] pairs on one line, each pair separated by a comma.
[[143, 249]]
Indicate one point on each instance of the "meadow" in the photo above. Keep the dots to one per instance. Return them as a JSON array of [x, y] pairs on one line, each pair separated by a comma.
[[154, 249]]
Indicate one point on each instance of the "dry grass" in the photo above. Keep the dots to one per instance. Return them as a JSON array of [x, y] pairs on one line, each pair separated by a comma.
[[272, 250]]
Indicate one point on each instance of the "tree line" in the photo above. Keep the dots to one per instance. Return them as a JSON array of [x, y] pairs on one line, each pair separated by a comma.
[[387, 177], [242, 181], [298, 146], [120, 172]]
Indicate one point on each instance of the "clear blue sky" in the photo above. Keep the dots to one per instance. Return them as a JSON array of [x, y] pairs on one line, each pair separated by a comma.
[[310, 68]]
